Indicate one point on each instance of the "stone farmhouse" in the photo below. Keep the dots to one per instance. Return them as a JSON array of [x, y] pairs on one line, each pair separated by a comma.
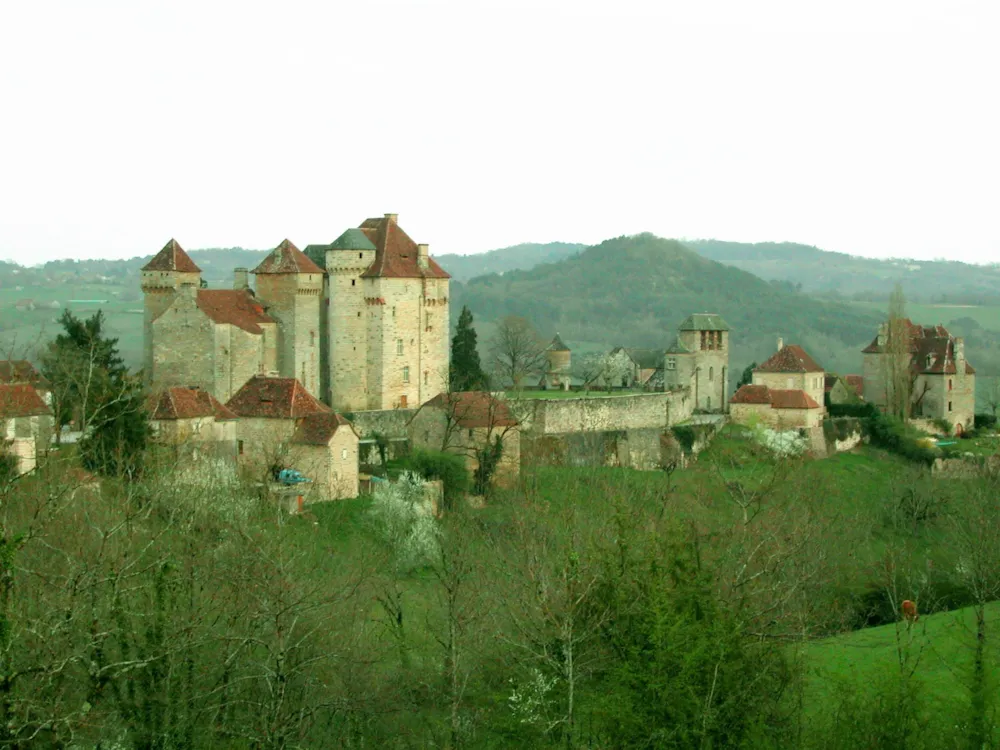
[[281, 425], [361, 323], [191, 424], [786, 392], [26, 425], [943, 381], [699, 359], [15, 371]]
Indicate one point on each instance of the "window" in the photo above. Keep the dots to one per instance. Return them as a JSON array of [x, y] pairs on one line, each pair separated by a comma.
[[406, 374], [343, 453], [402, 402], [312, 338], [949, 384], [239, 447], [788, 383], [711, 373], [470, 434], [361, 255], [708, 402], [399, 347], [426, 376], [353, 282], [949, 406]]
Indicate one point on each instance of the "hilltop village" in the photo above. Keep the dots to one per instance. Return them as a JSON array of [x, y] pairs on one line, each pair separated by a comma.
[[326, 360]]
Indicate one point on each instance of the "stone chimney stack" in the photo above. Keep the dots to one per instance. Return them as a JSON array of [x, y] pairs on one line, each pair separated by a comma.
[[394, 218], [883, 331], [241, 279], [959, 349], [422, 254], [781, 343]]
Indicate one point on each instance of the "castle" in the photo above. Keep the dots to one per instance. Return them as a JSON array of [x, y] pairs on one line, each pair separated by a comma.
[[362, 323]]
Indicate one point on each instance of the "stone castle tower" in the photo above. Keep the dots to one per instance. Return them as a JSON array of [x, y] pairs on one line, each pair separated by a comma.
[[362, 322], [558, 365], [699, 359]]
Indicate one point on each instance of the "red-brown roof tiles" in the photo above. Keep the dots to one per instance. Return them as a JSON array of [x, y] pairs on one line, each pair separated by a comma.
[[319, 429], [474, 409], [286, 258], [187, 403], [21, 400], [274, 398], [791, 358], [856, 382], [751, 394], [932, 350], [396, 253], [21, 371], [236, 307], [172, 258], [776, 397]]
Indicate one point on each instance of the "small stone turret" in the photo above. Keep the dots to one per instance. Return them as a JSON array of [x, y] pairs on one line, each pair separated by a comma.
[[558, 358]]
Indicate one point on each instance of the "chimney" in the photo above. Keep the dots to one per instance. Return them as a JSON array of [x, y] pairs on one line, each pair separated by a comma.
[[883, 331], [241, 279], [422, 255], [781, 343], [394, 218], [959, 349]]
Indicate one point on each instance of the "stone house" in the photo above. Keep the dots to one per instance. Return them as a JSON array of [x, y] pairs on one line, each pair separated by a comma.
[[791, 368], [841, 390], [558, 366], [362, 322], [26, 425], [635, 368], [192, 424], [16, 371], [942, 380], [465, 424], [780, 409], [282, 426], [699, 359]]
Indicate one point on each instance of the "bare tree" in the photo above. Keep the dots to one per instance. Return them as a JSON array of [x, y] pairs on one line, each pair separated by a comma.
[[516, 351], [897, 375], [590, 369]]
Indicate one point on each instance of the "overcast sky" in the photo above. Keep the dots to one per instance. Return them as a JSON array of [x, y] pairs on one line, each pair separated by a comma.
[[860, 126]]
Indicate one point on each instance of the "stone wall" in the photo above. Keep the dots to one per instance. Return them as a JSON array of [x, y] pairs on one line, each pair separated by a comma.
[[600, 414], [389, 422], [644, 449], [293, 299], [348, 317]]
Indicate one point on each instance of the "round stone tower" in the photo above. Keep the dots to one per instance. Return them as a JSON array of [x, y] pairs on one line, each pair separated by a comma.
[[558, 358]]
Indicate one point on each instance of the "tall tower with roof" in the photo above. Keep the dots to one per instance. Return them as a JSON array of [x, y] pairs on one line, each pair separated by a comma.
[[699, 359], [169, 271], [557, 358], [290, 285]]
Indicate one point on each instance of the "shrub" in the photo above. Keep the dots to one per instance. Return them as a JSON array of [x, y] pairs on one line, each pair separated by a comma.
[[447, 467], [986, 421], [685, 436], [942, 424], [860, 411], [841, 429], [893, 435], [404, 519]]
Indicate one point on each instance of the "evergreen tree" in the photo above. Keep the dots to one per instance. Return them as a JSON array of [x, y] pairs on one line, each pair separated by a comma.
[[747, 377], [466, 369]]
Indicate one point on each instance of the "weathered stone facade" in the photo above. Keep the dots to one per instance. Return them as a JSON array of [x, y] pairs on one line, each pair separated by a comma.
[[699, 359], [26, 425]]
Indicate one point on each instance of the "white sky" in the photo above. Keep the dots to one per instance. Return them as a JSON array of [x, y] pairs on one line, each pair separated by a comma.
[[857, 125]]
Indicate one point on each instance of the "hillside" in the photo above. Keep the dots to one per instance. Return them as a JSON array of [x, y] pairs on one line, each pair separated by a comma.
[[635, 290], [818, 271], [521, 257]]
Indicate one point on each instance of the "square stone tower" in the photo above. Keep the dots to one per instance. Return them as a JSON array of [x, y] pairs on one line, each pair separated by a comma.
[[290, 286], [699, 359], [162, 278]]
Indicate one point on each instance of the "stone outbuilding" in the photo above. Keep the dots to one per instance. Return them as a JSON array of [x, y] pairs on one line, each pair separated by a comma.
[[466, 423], [192, 424], [26, 425], [631, 367], [780, 409], [282, 426], [558, 365]]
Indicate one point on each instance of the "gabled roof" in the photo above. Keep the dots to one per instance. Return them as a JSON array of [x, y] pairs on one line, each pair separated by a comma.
[[182, 402], [474, 409], [274, 398], [286, 258], [237, 307], [932, 349], [856, 383], [704, 322], [791, 358], [21, 371], [557, 345], [172, 258], [646, 359], [775, 397], [319, 429], [21, 400], [396, 253], [678, 347]]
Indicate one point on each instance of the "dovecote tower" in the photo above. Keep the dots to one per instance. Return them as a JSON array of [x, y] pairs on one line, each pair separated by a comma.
[[290, 285], [162, 279]]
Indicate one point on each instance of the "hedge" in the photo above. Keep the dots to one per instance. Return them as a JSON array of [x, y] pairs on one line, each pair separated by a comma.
[[895, 436], [447, 467], [860, 411], [986, 421]]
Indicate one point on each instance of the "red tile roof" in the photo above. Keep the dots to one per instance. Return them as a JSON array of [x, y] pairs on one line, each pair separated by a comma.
[[21, 371], [792, 399], [474, 409], [751, 394], [236, 307], [187, 403], [777, 398], [21, 400], [274, 398], [856, 382], [286, 258], [932, 350], [319, 429], [791, 358], [396, 253], [172, 258]]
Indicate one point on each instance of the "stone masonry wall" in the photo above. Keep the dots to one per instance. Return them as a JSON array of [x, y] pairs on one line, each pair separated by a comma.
[[348, 316], [639, 411], [293, 299], [182, 346]]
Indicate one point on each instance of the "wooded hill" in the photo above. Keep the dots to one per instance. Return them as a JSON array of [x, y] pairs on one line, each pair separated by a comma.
[[634, 291]]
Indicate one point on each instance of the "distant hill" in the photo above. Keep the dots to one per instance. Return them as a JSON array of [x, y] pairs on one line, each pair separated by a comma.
[[634, 291], [822, 272], [515, 258]]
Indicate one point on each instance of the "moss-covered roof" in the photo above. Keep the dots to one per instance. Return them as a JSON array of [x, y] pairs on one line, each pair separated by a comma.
[[557, 345], [352, 239], [704, 322], [317, 254], [678, 348]]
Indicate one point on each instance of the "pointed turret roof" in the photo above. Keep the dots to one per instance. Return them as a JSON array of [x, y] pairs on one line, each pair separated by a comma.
[[172, 258], [286, 258], [352, 239], [704, 322], [557, 345]]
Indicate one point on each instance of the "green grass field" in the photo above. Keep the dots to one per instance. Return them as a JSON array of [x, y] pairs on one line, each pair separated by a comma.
[[987, 316]]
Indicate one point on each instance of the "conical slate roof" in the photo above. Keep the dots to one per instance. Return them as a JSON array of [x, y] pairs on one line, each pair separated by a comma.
[[704, 322], [286, 258], [172, 258], [557, 345]]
